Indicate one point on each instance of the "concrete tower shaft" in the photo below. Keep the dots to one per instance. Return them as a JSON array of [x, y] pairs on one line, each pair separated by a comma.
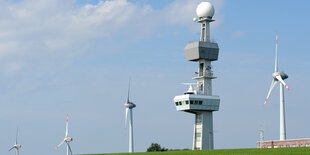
[[202, 103], [205, 32]]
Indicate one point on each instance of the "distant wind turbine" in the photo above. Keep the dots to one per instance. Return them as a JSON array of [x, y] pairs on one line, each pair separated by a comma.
[[279, 76], [16, 145], [66, 140], [129, 106]]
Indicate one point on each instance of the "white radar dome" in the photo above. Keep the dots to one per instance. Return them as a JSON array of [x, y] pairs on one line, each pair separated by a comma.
[[205, 9]]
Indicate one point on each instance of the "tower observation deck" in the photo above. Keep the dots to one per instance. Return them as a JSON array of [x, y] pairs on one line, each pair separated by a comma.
[[201, 101]]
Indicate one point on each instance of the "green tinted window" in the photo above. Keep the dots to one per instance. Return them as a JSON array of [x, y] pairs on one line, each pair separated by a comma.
[[200, 102], [192, 102], [195, 102], [176, 103], [186, 102]]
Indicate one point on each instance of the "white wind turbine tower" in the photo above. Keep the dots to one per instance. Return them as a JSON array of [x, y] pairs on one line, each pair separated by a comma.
[[67, 139], [129, 106], [16, 145], [279, 76]]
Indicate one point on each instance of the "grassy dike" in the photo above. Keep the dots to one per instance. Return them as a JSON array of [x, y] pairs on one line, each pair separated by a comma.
[[274, 151]]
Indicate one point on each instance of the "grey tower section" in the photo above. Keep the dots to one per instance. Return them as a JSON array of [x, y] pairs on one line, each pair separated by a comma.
[[202, 102], [195, 51]]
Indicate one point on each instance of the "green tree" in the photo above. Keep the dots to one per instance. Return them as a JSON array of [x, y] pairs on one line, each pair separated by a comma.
[[156, 148]]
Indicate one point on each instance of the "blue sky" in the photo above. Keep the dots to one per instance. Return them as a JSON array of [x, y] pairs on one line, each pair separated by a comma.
[[76, 57]]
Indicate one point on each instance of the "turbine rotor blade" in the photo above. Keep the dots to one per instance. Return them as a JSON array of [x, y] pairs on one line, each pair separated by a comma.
[[59, 144], [273, 83], [11, 148], [16, 137], [67, 126], [128, 90], [282, 81], [276, 59]]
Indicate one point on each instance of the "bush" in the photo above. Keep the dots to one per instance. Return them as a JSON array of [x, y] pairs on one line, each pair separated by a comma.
[[156, 148]]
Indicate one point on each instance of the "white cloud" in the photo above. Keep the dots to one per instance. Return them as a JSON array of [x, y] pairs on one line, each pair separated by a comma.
[[38, 30]]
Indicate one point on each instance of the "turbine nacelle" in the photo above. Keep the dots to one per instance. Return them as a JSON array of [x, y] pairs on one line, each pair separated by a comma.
[[129, 105], [282, 74], [68, 139], [17, 146]]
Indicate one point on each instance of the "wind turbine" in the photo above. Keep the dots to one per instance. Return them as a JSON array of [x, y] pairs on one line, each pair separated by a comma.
[[279, 76], [129, 106], [16, 145], [66, 140]]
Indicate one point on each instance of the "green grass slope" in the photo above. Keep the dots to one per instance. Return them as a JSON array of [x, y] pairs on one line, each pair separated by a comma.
[[274, 151]]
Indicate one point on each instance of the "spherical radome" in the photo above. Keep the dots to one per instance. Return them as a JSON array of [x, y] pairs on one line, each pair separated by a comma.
[[205, 9]]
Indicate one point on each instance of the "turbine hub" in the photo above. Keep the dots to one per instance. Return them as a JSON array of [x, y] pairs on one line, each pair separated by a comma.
[[129, 105], [69, 139], [282, 74]]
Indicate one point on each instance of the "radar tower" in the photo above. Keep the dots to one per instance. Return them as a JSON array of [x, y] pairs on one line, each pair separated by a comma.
[[201, 103]]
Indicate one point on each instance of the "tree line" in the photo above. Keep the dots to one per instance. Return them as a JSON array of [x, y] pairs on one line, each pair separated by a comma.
[[155, 147]]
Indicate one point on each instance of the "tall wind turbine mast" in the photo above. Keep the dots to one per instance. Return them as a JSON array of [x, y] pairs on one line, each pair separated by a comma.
[[67, 139], [129, 106], [279, 76], [201, 102], [16, 145]]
